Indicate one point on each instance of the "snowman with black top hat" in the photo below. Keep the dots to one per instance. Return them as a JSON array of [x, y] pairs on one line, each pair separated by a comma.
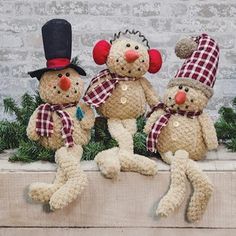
[[63, 123]]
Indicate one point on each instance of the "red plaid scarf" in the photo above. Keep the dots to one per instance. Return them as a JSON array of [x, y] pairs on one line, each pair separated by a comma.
[[44, 121], [162, 122], [103, 91]]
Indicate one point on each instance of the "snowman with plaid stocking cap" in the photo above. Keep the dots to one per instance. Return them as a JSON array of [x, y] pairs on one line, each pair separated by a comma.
[[180, 130]]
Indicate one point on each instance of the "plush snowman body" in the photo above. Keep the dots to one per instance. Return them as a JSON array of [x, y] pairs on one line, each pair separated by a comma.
[[63, 122], [180, 129], [127, 61], [62, 87]]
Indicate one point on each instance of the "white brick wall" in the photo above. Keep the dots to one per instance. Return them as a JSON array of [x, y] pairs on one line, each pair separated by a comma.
[[163, 22]]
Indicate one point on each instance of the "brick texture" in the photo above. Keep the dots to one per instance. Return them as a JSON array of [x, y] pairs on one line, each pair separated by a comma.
[[162, 22]]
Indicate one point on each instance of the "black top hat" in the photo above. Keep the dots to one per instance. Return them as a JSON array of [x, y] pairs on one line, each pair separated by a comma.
[[57, 40]]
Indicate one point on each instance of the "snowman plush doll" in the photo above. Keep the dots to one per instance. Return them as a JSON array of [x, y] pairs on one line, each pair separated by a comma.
[[63, 123], [121, 94], [180, 130]]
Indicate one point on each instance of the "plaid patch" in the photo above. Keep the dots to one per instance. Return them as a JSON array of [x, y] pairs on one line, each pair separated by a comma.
[[103, 91], [44, 121], [203, 63], [152, 137]]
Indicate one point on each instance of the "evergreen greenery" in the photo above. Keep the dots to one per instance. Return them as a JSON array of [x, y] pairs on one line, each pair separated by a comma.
[[226, 126], [13, 134]]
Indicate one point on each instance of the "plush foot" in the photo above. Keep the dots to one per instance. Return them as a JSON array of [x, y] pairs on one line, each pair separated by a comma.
[[167, 157], [146, 166], [108, 163], [72, 189], [137, 163], [202, 191], [42, 192]]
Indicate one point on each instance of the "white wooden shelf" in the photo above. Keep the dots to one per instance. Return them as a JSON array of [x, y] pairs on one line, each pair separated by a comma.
[[122, 207]]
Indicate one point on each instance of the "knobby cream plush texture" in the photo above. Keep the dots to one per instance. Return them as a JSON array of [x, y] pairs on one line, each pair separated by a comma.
[[70, 179], [195, 136], [183, 141], [128, 101]]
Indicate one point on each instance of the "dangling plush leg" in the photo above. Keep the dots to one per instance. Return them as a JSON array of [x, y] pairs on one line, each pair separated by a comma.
[[42, 192], [68, 160], [122, 131], [202, 188], [108, 162], [121, 134], [176, 193], [130, 125]]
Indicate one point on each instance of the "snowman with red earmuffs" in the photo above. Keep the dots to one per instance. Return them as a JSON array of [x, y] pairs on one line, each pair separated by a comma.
[[121, 94]]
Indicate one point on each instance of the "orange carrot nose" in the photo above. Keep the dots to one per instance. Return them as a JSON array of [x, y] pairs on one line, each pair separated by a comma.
[[131, 56], [64, 83], [180, 97]]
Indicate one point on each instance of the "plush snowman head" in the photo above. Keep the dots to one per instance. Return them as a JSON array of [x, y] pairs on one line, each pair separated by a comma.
[[60, 87], [128, 54], [187, 98], [192, 86]]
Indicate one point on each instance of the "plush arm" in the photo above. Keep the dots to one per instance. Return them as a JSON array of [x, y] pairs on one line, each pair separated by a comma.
[[151, 95], [209, 132], [31, 128], [88, 120], [152, 119]]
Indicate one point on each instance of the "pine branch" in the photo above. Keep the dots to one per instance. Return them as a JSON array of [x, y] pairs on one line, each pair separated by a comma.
[[226, 126], [9, 134], [11, 107], [32, 151], [92, 149]]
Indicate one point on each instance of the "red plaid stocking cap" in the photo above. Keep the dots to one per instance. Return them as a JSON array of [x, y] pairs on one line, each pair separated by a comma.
[[199, 69]]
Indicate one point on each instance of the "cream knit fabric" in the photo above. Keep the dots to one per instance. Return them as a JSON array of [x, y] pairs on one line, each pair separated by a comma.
[[182, 167], [128, 101], [70, 180], [180, 142]]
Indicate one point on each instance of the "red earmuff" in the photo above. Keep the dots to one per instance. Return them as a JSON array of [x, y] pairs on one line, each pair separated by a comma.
[[101, 51], [155, 61]]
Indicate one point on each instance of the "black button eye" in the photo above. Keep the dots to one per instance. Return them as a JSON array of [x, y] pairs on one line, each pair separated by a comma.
[[128, 45], [186, 90], [67, 74], [59, 75], [77, 83], [55, 87], [136, 47], [181, 86], [191, 100], [142, 60], [117, 60]]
